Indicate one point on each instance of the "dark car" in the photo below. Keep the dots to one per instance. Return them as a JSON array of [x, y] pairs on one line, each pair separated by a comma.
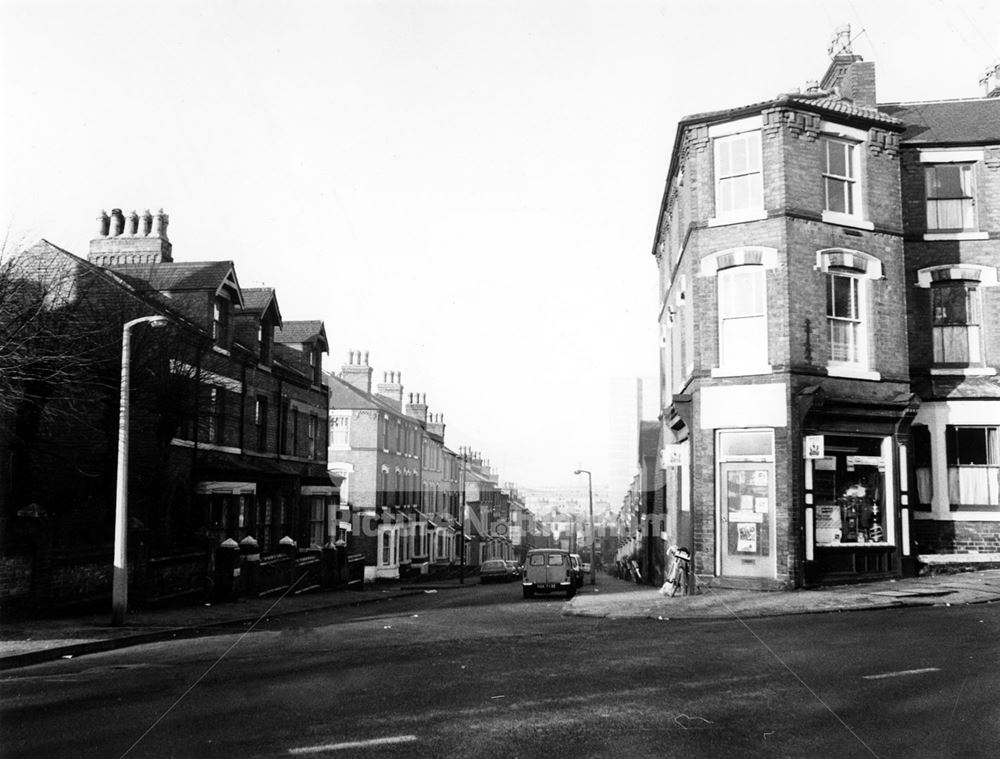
[[496, 570]]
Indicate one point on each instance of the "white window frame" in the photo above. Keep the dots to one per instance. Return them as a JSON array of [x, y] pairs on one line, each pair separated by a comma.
[[727, 365], [955, 156], [340, 427], [841, 262], [855, 138], [727, 134]]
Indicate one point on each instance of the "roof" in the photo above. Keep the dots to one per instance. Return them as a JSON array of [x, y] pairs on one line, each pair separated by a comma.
[[945, 122], [302, 332], [197, 275], [257, 300], [966, 388], [345, 396]]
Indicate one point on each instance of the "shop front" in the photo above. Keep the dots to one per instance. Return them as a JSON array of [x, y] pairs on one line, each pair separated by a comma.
[[857, 514]]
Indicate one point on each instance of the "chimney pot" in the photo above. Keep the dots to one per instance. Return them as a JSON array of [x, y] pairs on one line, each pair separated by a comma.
[[102, 224], [366, 358], [147, 223], [117, 222]]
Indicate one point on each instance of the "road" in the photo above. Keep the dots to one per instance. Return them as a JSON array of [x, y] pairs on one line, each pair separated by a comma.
[[480, 672]]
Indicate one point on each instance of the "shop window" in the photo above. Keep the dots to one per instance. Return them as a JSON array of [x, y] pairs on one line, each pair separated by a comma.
[[956, 315], [951, 197], [742, 319], [849, 492], [973, 466], [739, 188]]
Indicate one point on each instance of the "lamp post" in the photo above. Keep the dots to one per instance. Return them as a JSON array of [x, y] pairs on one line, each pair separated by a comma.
[[590, 497], [119, 587], [461, 575]]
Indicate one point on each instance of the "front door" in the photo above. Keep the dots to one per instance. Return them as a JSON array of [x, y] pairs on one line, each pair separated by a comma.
[[747, 519]]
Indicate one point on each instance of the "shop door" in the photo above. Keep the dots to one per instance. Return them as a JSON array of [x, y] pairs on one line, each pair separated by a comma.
[[747, 519]]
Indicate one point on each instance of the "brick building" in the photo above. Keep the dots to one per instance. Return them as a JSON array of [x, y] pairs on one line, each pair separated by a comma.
[[792, 247], [377, 448], [228, 421]]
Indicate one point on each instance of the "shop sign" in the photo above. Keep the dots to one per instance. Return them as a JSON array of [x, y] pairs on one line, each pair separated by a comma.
[[813, 447], [853, 461], [672, 455]]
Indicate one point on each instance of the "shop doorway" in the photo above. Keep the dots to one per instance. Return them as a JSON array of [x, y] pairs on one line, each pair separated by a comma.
[[746, 508]]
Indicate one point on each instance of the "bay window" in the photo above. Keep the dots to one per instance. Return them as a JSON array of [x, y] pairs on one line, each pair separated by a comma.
[[956, 315], [973, 465]]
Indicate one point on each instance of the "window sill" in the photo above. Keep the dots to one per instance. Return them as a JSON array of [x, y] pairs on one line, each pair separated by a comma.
[[965, 371], [738, 218], [956, 236], [741, 371], [851, 372], [846, 220]]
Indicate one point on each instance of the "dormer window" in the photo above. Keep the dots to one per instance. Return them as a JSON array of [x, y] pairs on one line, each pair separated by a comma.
[[220, 321], [315, 364]]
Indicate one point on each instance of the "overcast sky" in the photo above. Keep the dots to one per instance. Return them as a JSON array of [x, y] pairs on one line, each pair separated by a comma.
[[466, 189]]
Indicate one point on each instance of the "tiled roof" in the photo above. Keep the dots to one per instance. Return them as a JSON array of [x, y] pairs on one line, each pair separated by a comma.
[[949, 121], [257, 298], [822, 102], [347, 397], [301, 332]]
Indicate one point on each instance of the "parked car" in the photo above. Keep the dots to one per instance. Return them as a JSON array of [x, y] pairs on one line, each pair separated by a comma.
[[496, 570], [548, 570], [577, 565], [515, 567]]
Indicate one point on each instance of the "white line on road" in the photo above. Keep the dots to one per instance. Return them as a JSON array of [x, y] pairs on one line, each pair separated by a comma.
[[352, 744], [901, 673]]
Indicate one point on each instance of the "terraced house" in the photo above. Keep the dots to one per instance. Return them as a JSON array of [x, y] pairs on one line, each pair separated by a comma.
[[830, 333], [228, 486]]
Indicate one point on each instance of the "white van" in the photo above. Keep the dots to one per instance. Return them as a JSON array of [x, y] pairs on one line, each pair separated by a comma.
[[548, 570]]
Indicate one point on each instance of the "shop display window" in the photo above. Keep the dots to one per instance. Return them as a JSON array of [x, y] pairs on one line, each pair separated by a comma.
[[849, 492]]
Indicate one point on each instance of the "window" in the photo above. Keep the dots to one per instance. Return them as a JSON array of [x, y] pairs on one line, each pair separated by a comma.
[[220, 322], [955, 318], [265, 338], [922, 463], [386, 557], [315, 365], [260, 421], [840, 176], [215, 418], [317, 521], [384, 494], [843, 312], [385, 433], [951, 204], [295, 432], [738, 183], [973, 466], [340, 431], [312, 425], [742, 318]]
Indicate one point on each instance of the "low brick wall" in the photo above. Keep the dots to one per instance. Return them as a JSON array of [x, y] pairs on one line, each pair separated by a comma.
[[15, 576], [957, 537]]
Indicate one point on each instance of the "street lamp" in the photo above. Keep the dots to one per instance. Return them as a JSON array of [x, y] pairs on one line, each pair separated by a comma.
[[119, 587], [590, 496]]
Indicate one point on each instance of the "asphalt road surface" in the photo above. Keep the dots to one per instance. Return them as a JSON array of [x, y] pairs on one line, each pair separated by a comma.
[[479, 672]]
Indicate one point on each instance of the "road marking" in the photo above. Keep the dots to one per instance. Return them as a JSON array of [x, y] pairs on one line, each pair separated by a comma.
[[352, 744], [901, 673]]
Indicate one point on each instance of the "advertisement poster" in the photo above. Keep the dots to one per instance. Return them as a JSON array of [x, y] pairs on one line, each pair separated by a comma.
[[746, 541]]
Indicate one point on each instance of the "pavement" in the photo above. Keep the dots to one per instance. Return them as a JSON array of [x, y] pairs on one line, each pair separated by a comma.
[[28, 641]]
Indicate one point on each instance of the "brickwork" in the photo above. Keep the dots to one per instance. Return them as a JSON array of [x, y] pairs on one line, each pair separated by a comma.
[[957, 537]]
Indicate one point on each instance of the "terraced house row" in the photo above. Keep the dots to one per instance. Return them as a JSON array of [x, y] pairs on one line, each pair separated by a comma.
[[830, 323], [231, 420]]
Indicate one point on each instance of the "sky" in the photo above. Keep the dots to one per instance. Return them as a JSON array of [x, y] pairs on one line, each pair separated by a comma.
[[466, 189]]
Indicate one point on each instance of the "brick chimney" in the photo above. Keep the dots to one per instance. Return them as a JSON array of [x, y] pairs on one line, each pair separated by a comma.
[[357, 373], [391, 389], [417, 408], [435, 425], [849, 74], [131, 239], [991, 81]]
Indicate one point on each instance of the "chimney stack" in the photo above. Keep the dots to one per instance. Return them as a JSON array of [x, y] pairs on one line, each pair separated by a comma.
[[133, 239], [435, 425], [417, 409], [357, 373], [391, 389], [849, 74], [991, 81]]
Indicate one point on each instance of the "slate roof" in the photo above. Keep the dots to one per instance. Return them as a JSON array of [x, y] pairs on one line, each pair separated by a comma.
[[945, 122], [257, 300], [819, 101], [302, 332], [346, 397], [176, 277]]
